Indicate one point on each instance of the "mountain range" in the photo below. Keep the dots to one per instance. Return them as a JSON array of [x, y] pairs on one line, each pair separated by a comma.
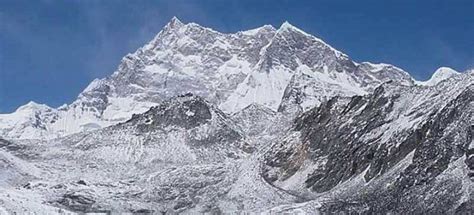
[[263, 120]]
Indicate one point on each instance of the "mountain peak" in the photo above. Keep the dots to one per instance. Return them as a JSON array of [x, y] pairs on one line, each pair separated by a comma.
[[287, 26], [95, 84], [444, 72], [175, 23], [33, 106], [172, 25], [175, 19], [439, 75], [251, 32]]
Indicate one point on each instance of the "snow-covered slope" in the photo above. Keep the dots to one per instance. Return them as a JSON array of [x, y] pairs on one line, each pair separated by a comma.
[[439, 75], [379, 153], [298, 69], [255, 119], [401, 149], [182, 154], [183, 130], [28, 121], [282, 69]]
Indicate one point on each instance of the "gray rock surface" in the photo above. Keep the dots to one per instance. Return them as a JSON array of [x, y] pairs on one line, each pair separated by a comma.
[[426, 130]]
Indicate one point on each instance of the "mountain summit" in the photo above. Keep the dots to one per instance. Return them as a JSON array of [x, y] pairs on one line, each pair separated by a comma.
[[283, 69], [259, 121], [439, 75]]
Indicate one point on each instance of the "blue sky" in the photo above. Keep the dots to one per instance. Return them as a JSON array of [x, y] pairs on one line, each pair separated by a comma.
[[50, 50]]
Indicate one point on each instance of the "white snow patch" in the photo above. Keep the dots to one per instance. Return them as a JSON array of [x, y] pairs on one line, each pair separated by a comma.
[[189, 113], [438, 76]]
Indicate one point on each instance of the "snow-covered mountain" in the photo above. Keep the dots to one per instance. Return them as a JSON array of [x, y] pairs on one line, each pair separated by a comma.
[[282, 69], [439, 75], [260, 121]]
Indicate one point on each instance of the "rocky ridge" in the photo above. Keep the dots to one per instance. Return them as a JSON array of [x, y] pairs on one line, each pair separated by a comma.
[[284, 69]]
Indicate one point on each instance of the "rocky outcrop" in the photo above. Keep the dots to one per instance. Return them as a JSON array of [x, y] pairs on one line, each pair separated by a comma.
[[370, 137]]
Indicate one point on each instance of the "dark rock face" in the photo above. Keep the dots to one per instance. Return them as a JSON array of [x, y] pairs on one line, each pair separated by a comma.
[[369, 136], [470, 154], [321, 131], [142, 211], [189, 112], [186, 111], [8, 145], [440, 144], [77, 202], [17, 149]]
